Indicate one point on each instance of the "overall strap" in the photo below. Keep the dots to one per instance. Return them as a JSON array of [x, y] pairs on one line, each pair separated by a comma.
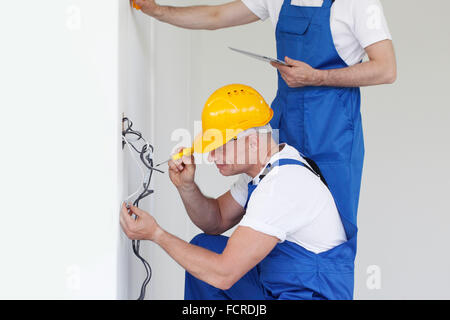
[[313, 167], [282, 162], [327, 3], [316, 169]]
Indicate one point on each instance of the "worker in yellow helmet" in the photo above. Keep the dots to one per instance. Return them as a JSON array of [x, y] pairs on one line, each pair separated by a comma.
[[290, 242]]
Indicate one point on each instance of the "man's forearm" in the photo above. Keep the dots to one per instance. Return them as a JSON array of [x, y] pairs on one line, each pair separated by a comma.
[[203, 211], [199, 262], [380, 69], [364, 74], [193, 17]]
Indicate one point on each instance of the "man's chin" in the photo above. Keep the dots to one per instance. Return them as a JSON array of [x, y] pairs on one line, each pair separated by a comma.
[[224, 170]]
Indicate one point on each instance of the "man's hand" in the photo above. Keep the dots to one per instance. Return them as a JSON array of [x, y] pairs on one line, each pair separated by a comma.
[[182, 172], [299, 74], [380, 69], [146, 6], [143, 228]]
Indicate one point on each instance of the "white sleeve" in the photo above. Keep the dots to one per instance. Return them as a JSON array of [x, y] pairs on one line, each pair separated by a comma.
[[280, 205], [258, 7], [369, 22], [239, 190]]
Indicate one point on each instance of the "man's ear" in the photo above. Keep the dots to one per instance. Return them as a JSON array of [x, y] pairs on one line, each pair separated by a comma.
[[253, 142]]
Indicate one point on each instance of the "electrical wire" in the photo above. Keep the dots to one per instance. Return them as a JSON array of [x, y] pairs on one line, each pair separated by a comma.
[[139, 166], [145, 155]]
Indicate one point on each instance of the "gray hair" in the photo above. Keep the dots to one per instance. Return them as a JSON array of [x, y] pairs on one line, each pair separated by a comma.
[[261, 130]]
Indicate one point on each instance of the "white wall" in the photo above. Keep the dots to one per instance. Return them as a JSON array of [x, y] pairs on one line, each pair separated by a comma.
[[69, 69], [136, 61], [172, 111], [404, 213], [60, 165]]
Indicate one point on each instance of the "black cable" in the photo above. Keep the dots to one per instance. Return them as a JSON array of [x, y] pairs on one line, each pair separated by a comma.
[[145, 156], [136, 244]]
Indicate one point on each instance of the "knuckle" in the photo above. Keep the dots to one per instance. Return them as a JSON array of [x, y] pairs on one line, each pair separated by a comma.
[[187, 160]]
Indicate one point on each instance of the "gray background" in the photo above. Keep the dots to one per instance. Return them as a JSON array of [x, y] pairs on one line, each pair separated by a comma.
[[403, 216]]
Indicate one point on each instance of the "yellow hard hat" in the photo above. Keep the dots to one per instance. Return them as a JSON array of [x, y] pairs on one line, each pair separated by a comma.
[[229, 111]]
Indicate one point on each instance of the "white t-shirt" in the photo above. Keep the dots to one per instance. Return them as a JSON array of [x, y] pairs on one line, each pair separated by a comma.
[[292, 204], [355, 24]]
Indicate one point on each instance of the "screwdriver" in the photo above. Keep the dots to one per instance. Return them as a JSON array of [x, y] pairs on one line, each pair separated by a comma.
[[181, 154], [136, 6]]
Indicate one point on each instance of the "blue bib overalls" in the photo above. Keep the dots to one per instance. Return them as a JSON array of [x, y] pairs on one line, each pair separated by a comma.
[[323, 123], [289, 272]]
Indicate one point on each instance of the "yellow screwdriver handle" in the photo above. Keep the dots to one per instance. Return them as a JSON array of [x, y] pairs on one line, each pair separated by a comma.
[[184, 152], [136, 6]]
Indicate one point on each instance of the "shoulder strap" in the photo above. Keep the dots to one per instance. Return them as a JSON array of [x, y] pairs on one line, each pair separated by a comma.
[[327, 3], [315, 168], [283, 162]]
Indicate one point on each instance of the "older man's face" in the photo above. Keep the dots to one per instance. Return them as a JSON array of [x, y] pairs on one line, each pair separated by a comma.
[[232, 158]]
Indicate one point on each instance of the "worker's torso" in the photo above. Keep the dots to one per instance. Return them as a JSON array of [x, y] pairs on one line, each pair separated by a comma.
[[291, 272], [294, 202], [354, 24]]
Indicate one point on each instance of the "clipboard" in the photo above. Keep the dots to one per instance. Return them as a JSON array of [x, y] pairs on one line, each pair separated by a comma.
[[259, 57]]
